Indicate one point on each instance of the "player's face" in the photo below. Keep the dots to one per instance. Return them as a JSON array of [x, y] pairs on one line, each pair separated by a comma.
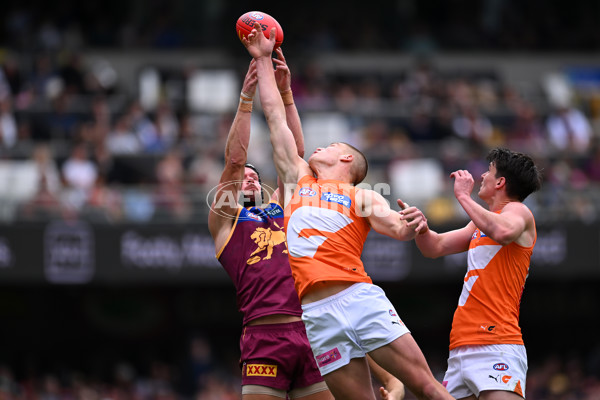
[[488, 182], [250, 184], [327, 154]]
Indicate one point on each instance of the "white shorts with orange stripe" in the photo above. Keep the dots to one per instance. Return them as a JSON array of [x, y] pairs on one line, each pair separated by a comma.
[[473, 369]]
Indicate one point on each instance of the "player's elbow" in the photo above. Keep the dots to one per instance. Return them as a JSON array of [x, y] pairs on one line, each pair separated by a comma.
[[236, 161], [428, 252], [274, 115]]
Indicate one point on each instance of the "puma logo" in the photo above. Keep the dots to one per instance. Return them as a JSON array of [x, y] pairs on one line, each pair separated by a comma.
[[265, 238]]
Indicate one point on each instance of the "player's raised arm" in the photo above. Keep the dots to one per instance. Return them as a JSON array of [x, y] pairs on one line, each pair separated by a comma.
[[504, 227], [285, 154], [283, 77], [225, 204]]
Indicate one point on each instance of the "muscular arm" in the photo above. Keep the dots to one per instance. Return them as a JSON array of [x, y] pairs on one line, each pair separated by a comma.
[[504, 228], [285, 154], [512, 224], [402, 225], [433, 244], [283, 78], [225, 204]]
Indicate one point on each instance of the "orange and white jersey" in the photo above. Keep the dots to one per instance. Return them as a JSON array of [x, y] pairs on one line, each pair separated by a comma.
[[488, 308], [325, 234]]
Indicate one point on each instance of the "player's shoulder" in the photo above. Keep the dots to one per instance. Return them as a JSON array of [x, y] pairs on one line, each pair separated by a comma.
[[518, 208]]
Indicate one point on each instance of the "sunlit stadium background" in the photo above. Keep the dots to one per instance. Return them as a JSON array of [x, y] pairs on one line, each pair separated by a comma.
[[113, 119]]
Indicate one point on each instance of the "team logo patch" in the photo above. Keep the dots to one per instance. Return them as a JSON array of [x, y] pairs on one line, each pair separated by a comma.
[[306, 192], [336, 198], [501, 367], [261, 370], [328, 357], [393, 314], [250, 215]]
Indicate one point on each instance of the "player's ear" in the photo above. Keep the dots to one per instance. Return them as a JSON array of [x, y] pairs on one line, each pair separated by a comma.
[[500, 182], [346, 157]]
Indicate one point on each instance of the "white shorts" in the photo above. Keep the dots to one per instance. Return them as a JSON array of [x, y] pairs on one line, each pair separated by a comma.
[[350, 324], [473, 369]]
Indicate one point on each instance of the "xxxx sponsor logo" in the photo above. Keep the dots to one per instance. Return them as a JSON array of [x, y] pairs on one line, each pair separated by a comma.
[[261, 370]]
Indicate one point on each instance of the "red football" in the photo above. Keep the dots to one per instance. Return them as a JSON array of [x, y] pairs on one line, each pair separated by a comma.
[[245, 24]]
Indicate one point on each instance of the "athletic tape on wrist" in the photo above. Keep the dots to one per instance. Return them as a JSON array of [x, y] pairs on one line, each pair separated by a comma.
[[245, 102], [287, 97]]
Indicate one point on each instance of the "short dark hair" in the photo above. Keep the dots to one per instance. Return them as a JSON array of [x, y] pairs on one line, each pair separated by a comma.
[[519, 170], [360, 166]]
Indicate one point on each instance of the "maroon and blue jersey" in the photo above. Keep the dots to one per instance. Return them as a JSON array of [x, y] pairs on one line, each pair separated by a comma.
[[255, 256]]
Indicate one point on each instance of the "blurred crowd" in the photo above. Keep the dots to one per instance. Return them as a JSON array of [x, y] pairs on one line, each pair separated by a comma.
[[208, 377], [73, 145]]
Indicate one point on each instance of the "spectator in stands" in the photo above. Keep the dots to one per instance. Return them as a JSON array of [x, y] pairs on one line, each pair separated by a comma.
[[171, 200], [145, 128], [592, 166], [79, 174], [204, 170], [471, 125], [167, 124], [8, 122], [121, 139], [526, 129], [104, 203], [47, 169], [42, 75], [569, 130]]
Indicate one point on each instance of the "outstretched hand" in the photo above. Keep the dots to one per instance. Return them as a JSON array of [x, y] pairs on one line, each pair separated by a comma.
[[396, 393], [283, 76], [413, 216], [257, 44], [251, 80]]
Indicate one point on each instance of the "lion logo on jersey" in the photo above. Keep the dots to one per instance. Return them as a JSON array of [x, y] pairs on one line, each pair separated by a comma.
[[265, 238]]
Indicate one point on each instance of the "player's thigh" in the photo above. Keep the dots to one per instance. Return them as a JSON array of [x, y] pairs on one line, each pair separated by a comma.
[[316, 391], [499, 395], [404, 359], [321, 395], [259, 392], [352, 381], [260, 397]]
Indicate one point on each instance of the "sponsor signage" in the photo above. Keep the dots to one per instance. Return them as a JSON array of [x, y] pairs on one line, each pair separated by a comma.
[[76, 252]]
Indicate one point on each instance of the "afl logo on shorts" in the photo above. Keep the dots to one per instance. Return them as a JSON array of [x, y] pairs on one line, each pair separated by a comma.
[[501, 367], [306, 192]]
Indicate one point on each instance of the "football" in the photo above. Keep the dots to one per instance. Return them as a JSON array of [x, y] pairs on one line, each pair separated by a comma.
[[245, 24]]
